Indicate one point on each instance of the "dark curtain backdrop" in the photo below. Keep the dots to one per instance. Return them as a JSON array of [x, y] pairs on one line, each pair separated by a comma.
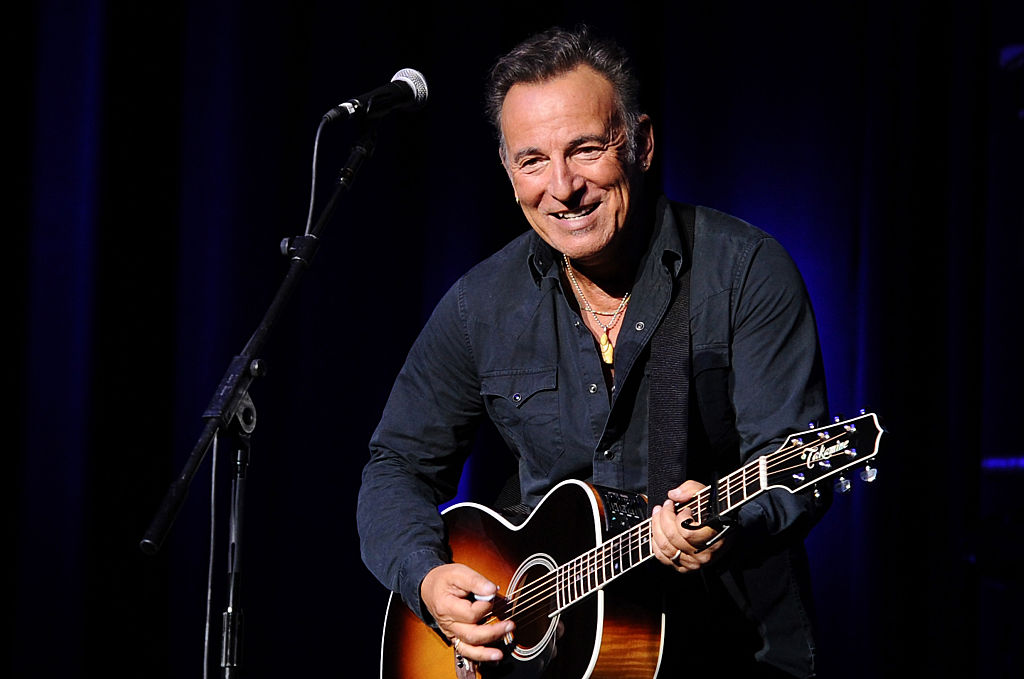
[[161, 151]]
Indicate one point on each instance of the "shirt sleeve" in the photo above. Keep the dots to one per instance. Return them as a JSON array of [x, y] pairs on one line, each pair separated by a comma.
[[417, 453], [778, 378]]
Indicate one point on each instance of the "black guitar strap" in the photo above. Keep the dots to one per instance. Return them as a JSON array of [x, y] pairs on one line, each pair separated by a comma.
[[669, 413], [670, 370]]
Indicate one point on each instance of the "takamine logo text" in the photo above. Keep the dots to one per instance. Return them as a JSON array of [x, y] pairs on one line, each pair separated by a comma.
[[823, 452]]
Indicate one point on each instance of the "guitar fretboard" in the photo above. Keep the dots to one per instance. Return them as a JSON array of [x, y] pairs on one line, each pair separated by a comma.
[[799, 463]]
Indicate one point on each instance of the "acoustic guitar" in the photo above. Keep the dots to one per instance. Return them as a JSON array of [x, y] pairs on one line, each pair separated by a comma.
[[559, 571]]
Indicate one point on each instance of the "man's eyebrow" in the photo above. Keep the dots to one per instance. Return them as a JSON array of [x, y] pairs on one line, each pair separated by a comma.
[[585, 139], [522, 153]]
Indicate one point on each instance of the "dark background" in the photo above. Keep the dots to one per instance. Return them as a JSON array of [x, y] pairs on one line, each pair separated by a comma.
[[157, 153]]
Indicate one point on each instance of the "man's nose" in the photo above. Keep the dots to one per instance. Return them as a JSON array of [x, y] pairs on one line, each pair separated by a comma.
[[564, 180]]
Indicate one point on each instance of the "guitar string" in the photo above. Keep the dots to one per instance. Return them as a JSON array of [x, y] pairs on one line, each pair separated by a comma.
[[588, 565], [599, 556], [578, 571], [774, 461], [584, 568]]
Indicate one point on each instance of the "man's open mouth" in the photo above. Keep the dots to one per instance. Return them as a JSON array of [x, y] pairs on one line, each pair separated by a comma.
[[575, 214]]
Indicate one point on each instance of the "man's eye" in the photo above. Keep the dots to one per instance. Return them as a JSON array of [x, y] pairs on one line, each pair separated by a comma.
[[589, 151], [529, 164]]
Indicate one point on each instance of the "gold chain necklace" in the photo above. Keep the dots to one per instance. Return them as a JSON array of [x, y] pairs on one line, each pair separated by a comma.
[[607, 350]]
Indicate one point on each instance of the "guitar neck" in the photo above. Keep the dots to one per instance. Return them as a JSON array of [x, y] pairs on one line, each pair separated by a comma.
[[594, 569], [794, 466]]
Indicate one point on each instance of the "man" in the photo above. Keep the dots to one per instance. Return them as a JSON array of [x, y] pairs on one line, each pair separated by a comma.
[[551, 339]]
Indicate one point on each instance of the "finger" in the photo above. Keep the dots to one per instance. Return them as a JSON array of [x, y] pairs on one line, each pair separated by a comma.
[[468, 583], [686, 562], [472, 641], [698, 538], [676, 537], [662, 526], [455, 592], [685, 491], [454, 609]]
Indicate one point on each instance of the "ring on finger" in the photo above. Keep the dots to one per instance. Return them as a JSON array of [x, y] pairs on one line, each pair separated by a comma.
[[455, 645], [676, 555]]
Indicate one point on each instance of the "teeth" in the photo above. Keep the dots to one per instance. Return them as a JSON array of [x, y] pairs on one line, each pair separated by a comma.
[[576, 214]]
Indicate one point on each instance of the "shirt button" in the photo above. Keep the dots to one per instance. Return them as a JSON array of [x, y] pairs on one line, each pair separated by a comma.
[[639, 326], [517, 397], [592, 388], [609, 454]]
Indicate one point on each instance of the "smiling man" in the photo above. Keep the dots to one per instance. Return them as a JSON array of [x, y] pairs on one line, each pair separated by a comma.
[[561, 340]]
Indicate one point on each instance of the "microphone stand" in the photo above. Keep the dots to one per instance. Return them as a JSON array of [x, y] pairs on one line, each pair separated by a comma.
[[232, 412]]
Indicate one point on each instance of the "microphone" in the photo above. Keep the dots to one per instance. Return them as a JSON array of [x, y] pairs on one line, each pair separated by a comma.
[[407, 90]]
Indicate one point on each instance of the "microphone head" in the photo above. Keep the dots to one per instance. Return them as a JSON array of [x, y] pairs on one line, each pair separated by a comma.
[[417, 82]]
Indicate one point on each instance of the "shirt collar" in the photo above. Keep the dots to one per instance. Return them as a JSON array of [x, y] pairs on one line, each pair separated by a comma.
[[666, 246], [542, 259]]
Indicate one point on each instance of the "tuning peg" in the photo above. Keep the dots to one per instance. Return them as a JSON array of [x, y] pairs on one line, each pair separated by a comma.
[[868, 474], [843, 485], [838, 417]]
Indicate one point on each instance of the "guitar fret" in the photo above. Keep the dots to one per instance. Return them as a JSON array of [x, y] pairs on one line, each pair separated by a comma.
[[581, 573], [605, 565], [594, 569], [734, 488], [559, 583], [620, 553], [591, 571], [594, 572]]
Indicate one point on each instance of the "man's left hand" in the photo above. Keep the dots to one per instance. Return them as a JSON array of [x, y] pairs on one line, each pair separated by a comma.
[[675, 546]]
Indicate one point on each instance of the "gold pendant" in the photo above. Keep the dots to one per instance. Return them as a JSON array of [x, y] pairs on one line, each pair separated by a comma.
[[607, 350]]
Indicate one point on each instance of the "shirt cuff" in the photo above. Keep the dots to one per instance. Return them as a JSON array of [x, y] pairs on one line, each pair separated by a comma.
[[414, 568]]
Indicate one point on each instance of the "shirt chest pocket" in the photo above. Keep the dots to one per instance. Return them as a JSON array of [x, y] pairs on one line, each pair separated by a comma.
[[524, 405]]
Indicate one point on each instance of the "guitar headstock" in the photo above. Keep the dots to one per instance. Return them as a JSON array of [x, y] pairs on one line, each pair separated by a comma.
[[816, 454]]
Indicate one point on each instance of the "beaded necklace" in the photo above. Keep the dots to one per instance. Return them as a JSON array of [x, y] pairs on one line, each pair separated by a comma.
[[607, 350]]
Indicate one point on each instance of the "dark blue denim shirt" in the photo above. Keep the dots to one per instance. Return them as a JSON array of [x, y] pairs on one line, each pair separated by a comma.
[[507, 342]]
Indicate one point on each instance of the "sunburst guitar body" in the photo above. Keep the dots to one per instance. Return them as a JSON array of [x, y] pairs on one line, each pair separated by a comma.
[[564, 573]]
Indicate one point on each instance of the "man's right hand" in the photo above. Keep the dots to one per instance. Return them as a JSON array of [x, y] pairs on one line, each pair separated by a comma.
[[459, 598]]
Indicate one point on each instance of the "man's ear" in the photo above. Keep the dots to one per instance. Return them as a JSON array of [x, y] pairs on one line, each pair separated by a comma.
[[645, 139], [502, 158]]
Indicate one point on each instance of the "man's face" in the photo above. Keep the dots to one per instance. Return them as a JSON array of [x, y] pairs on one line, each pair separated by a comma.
[[566, 154]]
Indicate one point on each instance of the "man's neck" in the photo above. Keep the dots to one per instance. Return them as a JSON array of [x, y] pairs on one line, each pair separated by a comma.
[[613, 273]]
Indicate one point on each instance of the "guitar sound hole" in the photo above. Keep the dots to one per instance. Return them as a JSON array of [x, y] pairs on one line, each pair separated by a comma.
[[531, 602]]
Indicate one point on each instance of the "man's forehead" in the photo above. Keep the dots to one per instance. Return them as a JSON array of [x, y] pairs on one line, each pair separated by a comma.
[[582, 101], [581, 85]]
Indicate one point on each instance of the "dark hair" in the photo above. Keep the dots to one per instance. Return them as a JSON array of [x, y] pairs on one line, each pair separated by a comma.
[[555, 52]]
